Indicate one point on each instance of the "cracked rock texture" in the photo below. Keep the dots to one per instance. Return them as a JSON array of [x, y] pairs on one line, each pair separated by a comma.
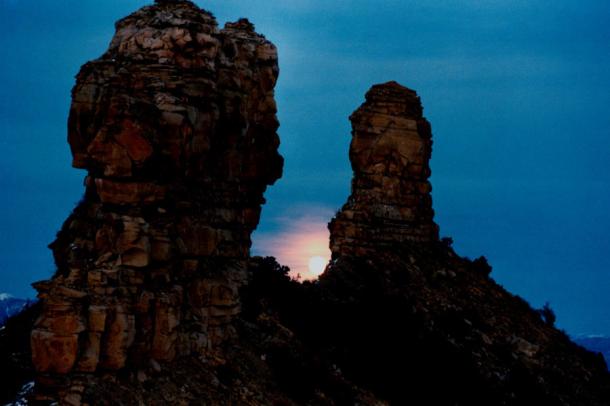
[[176, 127], [390, 201]]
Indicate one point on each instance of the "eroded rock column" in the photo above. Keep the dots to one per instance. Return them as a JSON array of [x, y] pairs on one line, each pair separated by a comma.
[[390, 201], [176, 127]]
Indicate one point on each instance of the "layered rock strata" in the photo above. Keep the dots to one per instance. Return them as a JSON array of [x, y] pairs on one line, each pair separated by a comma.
[[390, 201], [176, 127]]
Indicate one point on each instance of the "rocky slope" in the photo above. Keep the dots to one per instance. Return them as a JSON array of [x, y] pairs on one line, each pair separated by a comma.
[[156, 300]]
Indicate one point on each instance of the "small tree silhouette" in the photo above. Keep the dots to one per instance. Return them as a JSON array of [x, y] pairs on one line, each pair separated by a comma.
[[481, 265], [547, 314], [447, 241]]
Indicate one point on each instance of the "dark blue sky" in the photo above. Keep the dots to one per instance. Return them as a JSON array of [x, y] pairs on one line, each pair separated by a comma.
[[517, 93]]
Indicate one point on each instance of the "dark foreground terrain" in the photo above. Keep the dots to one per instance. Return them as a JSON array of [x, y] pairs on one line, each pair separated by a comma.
[[371, 331]]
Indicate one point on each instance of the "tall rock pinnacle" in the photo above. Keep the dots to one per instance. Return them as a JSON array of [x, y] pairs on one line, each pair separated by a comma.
[[176, 126], [390, 201]]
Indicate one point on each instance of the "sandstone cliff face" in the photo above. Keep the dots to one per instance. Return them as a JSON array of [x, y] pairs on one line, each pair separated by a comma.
[[176, 127], [390, 201]]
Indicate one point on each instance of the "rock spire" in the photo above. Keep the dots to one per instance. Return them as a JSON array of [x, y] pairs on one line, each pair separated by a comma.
[[390, 201], [176, 127]]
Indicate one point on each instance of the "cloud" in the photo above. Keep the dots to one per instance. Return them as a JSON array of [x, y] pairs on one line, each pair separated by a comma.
[[301, 235]]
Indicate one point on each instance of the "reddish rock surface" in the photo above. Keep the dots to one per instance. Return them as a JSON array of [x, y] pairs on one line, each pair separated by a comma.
[[176, 127], [390, 201]]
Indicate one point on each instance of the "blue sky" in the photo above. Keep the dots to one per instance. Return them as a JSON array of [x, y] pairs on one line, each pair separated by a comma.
[[516, 91]]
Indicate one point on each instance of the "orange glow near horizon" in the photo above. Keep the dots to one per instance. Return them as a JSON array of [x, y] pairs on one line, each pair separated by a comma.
[[301, 243]]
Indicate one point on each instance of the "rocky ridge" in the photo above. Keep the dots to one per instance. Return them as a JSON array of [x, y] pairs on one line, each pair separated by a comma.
[[176, 127], [438, 318], [10, 306]]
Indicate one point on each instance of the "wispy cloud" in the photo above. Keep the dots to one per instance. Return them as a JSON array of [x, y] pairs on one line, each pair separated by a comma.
[[302, 235]]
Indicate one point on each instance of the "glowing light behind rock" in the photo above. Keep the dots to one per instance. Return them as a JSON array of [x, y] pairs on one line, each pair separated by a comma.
[[301, 241]]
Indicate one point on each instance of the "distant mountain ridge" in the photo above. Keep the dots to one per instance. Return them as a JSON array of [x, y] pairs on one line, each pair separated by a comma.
[[9, 306], [596, 343]]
